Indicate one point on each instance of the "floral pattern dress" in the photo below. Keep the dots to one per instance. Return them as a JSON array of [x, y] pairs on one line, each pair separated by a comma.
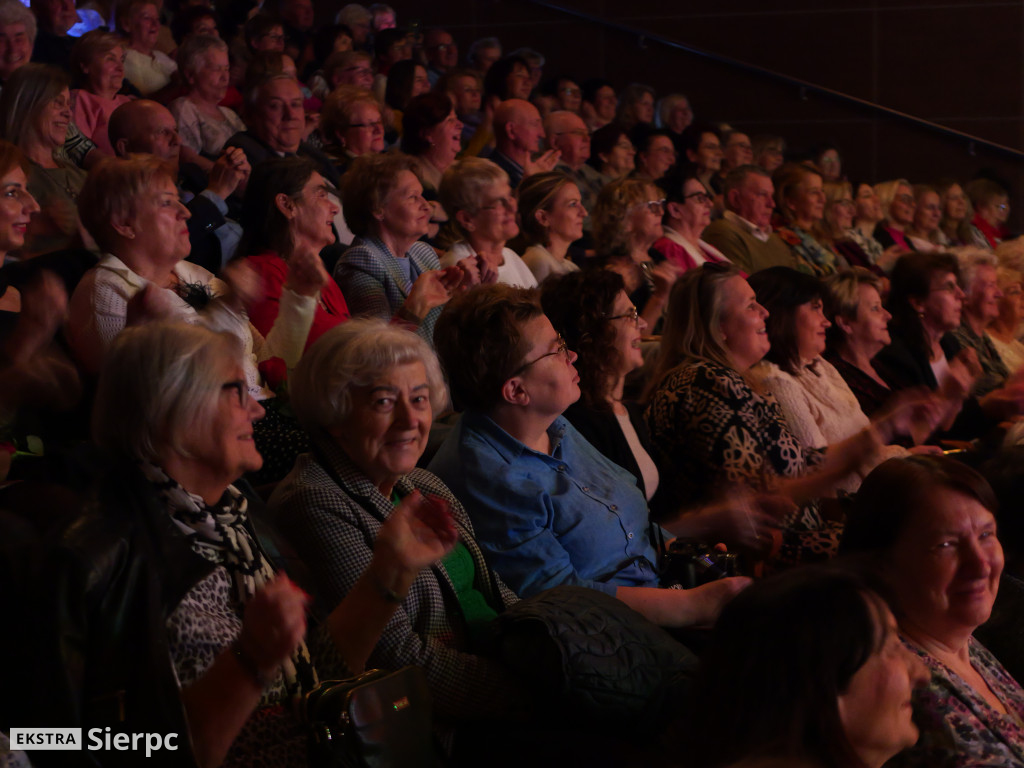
[[710, 430], [958, 727]]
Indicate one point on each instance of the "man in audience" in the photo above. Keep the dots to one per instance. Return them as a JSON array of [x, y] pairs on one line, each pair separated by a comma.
[[482, 54], [442, 53], [54, 19], [518, 131], [276, 118], [143, 126], [567, 133], [465, 89], [745, 234]]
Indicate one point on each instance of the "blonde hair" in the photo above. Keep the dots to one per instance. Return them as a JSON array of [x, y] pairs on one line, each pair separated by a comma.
[[886, 192], [462, 187], [611, 210]]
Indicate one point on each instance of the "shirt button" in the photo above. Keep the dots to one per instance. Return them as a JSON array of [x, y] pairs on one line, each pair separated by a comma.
[[585, 489], [629, 535], [561, 467], [613, 508]]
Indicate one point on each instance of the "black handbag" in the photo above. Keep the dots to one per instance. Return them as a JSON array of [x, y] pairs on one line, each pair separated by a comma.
[[378, 719]]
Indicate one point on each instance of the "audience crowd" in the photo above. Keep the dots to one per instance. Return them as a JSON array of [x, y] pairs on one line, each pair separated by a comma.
[[494, 334]]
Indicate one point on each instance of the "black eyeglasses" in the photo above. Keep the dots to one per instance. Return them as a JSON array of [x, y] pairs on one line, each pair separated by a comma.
[[561, 349], [633, 315], [241, 390], [700, 197]]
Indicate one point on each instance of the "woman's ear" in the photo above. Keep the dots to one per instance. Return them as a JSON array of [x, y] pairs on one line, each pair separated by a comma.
[[916, 304], [674, 210], [465, 220], [285, 205], [843, 324], [124, 228], [543, 217], [513, 392]]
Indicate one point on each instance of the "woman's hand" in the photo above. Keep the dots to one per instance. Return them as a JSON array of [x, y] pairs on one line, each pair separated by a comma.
[[274, 624], [243, 282], [306, 273], [431, 289], [418, 532], [701, 605], [664, 276]]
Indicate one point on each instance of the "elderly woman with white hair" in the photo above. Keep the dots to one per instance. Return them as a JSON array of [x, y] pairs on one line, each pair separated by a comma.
[[981, 307], [160, 600], [203, 125], [18, 26], [366, 392], [481, 208]]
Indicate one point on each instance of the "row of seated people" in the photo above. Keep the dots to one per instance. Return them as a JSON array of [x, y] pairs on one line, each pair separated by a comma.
[[734, 399]]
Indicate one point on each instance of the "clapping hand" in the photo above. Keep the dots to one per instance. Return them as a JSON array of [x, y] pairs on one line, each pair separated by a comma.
[[419, 531]]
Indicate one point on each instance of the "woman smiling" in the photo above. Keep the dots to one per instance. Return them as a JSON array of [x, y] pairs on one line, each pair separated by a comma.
[[98, 57]]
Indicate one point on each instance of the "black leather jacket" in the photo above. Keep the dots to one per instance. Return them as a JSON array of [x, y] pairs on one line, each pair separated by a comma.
[[98, 640]]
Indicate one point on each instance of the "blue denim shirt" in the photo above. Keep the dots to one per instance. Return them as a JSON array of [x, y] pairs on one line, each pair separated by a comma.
[[572, 517]]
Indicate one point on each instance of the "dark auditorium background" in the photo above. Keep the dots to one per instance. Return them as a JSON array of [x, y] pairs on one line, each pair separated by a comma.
[[958, 63]]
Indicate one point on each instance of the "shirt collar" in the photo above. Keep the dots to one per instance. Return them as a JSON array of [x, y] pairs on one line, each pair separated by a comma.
[[758, 232]]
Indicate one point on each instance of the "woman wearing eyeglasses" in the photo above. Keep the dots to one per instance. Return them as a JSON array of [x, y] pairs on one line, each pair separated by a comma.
[[351, 126], [626, 224], [481, 209], [687, 213], [839, 226]]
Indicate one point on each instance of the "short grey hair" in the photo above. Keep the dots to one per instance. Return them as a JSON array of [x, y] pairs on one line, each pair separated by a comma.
[[160, 382], [355, 354], [352, 14], [15, 12], [971, 257], [194, 48], [255, 92]]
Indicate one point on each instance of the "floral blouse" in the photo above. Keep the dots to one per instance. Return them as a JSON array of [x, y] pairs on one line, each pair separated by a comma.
[[958, 727], [711, 429], [816, 258]]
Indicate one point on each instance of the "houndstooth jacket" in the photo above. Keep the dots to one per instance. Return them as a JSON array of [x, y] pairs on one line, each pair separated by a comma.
[[376, 286], [333, 526]]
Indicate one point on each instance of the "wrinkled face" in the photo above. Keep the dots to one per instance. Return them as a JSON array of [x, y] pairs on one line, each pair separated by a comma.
[[565, 215], [314, 211], [279, 117], [365, 133], [928, 212], [495, 220], [954, 203], [940, 309], [708, 156], [754, 200], [605, 102], [446, 137], [386, 432], [947, 561], [16, 208], [629, 328], [983, 300], [105, 71], [680, 117], [569, 96], [875, 709], [866, 204], [695, 210], [159, 225], [15, 48], [519, 83], [830, 165], [157, 134], [810, 325], [1011, 307], [547, 374], [620, 161], [211, 79], [52, 121], [807, 202], [659, 156], [743, 329], [738, 151], [223, 446], [529, 130], [405, 214], [839, 213], [358, 73], [144, 27], [467, 95], [643, 220], [571, 138], [901, 210], [870, 329]]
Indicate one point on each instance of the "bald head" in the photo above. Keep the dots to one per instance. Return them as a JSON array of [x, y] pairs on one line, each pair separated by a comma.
[[517, 127], [567, 133], [144, 126]]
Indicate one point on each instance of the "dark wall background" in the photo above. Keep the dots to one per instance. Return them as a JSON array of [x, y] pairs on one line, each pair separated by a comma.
[[959, 63]]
